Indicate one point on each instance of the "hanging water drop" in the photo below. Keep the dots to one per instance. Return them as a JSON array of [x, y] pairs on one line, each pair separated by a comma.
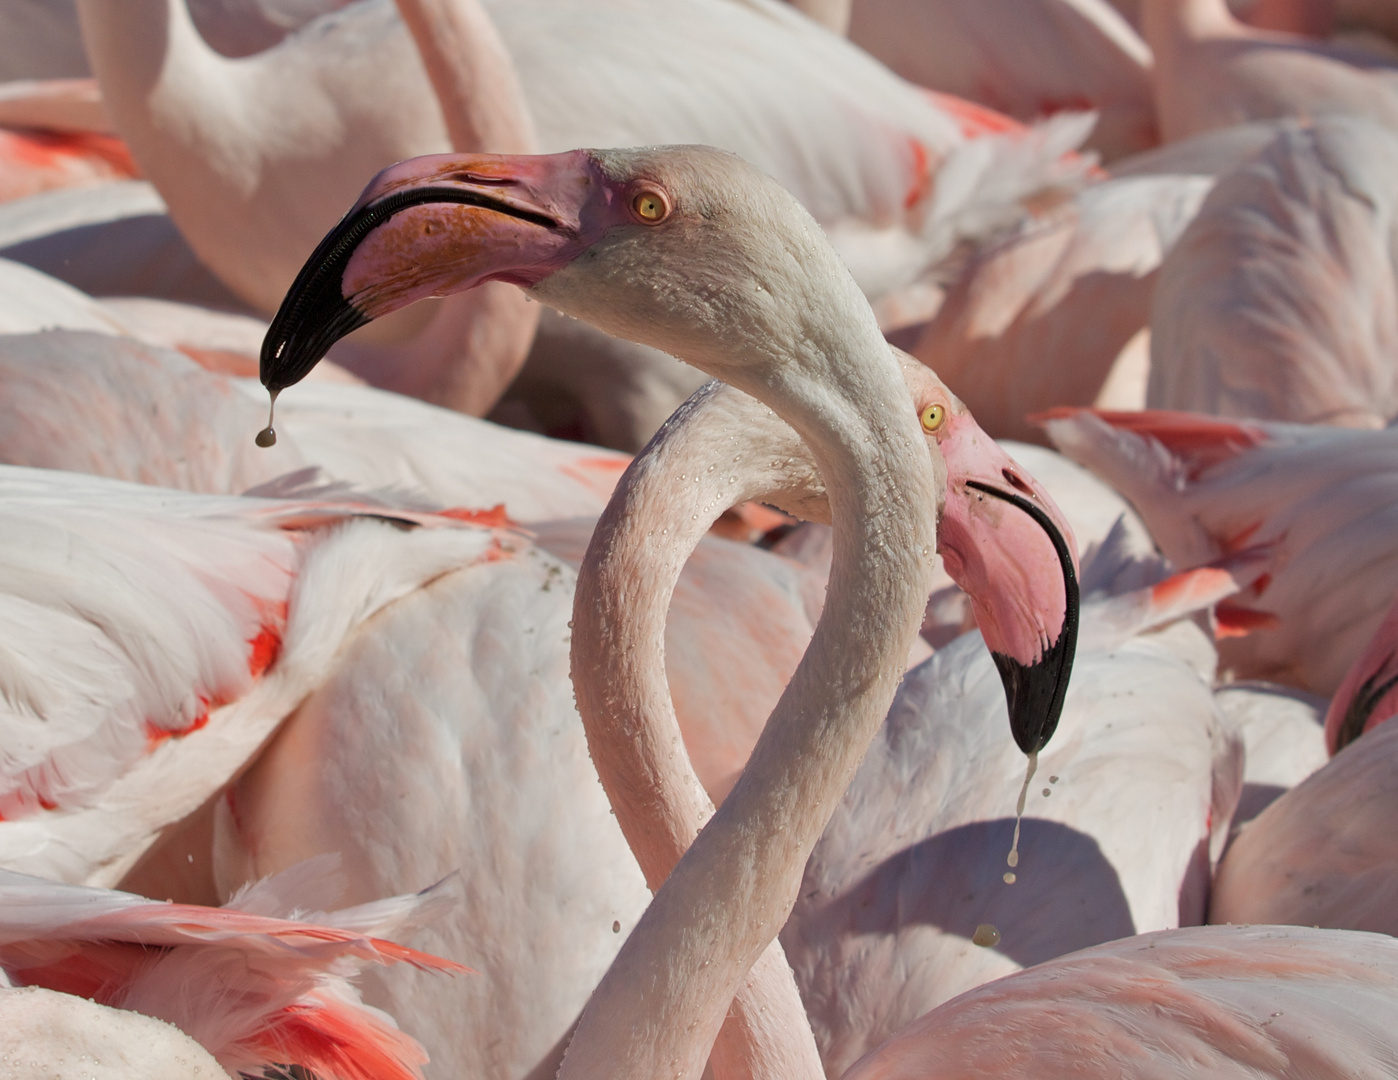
[[268, 435], [1012, 858]]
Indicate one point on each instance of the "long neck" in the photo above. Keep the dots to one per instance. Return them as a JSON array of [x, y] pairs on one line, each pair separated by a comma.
[[473, 76], [663, 506], [1172, 26], [659, 1008], [165, 90], [485, 112]]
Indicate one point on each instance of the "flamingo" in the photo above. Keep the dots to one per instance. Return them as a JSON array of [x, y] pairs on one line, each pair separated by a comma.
[[77, 1039], [862, 969], [1025, 60], [71, 397], [1323, 853], [1277, 302], [187, 123], [1212, 71], [1302, 503], [1283, 740], [699, 254], [257, 984], [1038, 318], [52, 135], [130, 705], [505, 707]]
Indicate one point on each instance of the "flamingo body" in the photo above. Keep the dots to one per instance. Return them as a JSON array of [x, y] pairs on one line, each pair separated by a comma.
[[1025, 60], [78, 1039], [257, 984], [1278, 301], [1323, 853], [1240, 1002], [133, 700], [912, 861], [1298, 503]]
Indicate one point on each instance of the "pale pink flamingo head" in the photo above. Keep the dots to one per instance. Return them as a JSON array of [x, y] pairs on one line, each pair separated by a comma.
[[693, 251]]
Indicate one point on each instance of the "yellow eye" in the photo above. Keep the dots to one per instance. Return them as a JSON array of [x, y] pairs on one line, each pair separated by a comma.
[[652, 207], [932, 418]]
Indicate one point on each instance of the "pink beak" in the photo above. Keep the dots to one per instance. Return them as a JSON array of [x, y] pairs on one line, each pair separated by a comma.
[[407, 239]]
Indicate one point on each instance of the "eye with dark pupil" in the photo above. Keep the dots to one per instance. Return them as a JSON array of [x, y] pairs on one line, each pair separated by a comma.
[[650, 206]]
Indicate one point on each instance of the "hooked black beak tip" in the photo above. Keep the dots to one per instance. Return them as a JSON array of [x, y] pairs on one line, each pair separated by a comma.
[[305, 328], [1035, 692]]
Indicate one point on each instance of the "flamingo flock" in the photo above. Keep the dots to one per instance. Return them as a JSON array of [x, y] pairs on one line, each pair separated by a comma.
[[878, 566]]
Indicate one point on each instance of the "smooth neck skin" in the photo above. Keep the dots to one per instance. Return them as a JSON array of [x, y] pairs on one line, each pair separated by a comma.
[[168, 93], [822, 365], [473, 76], [490, 329], [1170, 27], [708, 456]]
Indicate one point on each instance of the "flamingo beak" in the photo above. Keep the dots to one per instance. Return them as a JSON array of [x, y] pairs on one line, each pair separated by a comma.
[[432, 226], [1007, 544]]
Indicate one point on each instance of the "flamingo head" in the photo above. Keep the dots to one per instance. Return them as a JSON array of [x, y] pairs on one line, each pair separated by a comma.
[[1006, 543], [695, 252]]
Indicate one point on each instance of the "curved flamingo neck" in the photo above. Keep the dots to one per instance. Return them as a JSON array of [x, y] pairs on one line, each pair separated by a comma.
[[832, 377], [164, 87], [473, 76], [1170, 26], [697, 466]]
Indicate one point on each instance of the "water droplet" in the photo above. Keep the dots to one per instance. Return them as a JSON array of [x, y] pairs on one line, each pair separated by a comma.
[[616, 926], [1009, 877], [1012, 858], [986, 936], [1047, 792], [268, 436], [1053, 779]]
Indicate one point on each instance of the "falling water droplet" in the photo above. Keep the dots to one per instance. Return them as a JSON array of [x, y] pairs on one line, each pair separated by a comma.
[[986, 936], [1012, 859], [268, 436], [616, 926]]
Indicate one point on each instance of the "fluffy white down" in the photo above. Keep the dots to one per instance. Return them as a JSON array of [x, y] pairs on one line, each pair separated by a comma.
[[45, 1035]]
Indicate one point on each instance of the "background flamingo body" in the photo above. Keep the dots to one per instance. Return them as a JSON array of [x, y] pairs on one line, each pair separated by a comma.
[[1278, 300], [1303, 501], [257, 984], [1322, 854]]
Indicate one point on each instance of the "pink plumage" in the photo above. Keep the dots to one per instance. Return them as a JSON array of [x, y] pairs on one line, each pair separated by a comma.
[[254, 989]]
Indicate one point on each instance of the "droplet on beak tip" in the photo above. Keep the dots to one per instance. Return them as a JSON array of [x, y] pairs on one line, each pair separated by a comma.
[[986, 936], [268, 435]]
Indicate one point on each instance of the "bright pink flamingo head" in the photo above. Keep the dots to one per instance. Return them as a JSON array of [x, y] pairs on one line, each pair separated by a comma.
[[1007, 544], [693, 251]]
